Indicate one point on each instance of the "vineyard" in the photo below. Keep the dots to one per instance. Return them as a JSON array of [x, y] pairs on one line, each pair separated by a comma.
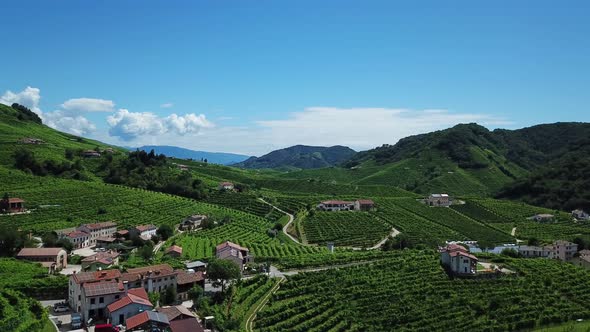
[[345, 228], [469, 228], [409, 291], [59, 203]]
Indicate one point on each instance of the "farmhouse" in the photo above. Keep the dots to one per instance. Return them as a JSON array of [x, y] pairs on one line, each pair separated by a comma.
[[186, 281], [233, 252], [51, 258], [364, 205], [196, 266], [148, 321], [135, 302], [336, 205], [174, 251], [155, 278], [105, 241], [143, 231], [438, 200], [563, 250], [543, 217], [458, 260], [186, 325], [177, 312], [78, 238], [96, 230], [31, 140], [89, 293], [226, 186], [535, 251], [192, 222], [12, 205], [579, 214], [182, 167], [91, 154], [100, 261]]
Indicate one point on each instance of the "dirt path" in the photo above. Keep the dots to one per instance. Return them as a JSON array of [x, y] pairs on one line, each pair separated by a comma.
[[513, 233], [250, 320], [291, 219], [394, 233]]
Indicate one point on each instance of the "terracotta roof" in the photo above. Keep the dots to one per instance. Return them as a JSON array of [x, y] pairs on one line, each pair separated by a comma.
[[230, 244], [123, 232], [15, 200], [183, 277], [186, 325], [174, 312], [139, 292], [76, 234], [454, 247], [336, 202], [105, 239], [461, 253], [103, 288], [365, 201], [95, 276], [127, 300], [33, 252], [144, 317], [100, 225], [176, 249], [108, 256], [143, 228], [161, 270]]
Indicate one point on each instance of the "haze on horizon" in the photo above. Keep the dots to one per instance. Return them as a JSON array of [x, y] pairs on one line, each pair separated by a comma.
[[253, 76]]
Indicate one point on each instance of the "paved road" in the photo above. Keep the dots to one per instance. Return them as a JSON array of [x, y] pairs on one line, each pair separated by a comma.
[[71, 269], [291, 218]]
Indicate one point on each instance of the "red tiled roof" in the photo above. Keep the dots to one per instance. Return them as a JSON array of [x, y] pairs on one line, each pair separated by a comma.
[[230, 244], [76, 234], [100, 225], [336, 202], [143, 228], [186, 325], [15, 200], [95, 276], [33, 252], [365, 201], [127, 300], [144, 317], [454, 247], [174, 312], [123, 232], [183, 277], [103, 288], [176, 249], [139, 292], [107, 255], [161, 270], [461, 253]]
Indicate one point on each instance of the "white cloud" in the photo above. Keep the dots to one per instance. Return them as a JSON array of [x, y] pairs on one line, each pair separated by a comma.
[[29, 97], [77, 125], [131, 125], [167, 105], [88, 105]]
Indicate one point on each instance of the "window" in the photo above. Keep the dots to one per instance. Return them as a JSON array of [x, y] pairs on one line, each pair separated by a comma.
[[116, 297], [79, 297], [92, 301], [101, 300], [91, 312]]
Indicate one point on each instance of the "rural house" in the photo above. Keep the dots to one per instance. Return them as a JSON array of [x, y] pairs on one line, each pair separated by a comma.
[[233, 252], [438, 200], [100, 261], [155, 278], [12, 205], [52, 258], [89, 293], [91, 154], [541, 217], [192, 222], [78, 238], [226, 186], [97, 230], [458, 260], [196, 266], [336, 205], [186, 325], [579, 214], [145, 232], [186, 281], [563, 250], [364, 205], [535, 251], [134, 302], [174, 251], [177, 312], [147, 321]]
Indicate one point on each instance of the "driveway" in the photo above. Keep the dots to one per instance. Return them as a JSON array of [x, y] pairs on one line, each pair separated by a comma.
[[71, 269], [84, 252]]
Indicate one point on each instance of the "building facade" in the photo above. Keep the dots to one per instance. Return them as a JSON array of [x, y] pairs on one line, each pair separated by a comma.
[[458, 260], [54, 259]]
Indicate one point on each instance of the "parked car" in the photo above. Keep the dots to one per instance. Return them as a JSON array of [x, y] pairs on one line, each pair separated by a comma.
[[106, 328], [60, 307], [76, 321]]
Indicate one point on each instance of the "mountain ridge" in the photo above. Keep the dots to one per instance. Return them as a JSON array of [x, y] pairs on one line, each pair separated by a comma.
[[222, 158]]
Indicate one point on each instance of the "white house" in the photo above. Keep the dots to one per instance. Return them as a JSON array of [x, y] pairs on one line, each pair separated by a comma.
[[535, 251], [457, 259], [580, 214], [155, 278], [563, 250], [79, 239], [336, 205], [192, 222], [144, 231], [96, 230], [89, 293], [226, 186], [438, 200]]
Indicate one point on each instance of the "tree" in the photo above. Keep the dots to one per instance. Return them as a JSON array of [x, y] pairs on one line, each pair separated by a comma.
[[154, 298], [66, 244], [165, 232], [49, 240], [195, 294], [510, 252], [169, 296], [10, 240], [533, 241], [221, 271], [147, 251]]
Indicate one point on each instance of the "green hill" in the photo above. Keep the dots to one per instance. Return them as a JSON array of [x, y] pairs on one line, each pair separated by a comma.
[[300, 157]]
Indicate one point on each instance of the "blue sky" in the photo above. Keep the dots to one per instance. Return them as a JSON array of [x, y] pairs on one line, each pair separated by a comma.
[[252, 76]]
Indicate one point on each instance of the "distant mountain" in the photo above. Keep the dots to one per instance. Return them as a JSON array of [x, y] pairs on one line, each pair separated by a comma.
[[300, 157], [182, 153], [469, 159]]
